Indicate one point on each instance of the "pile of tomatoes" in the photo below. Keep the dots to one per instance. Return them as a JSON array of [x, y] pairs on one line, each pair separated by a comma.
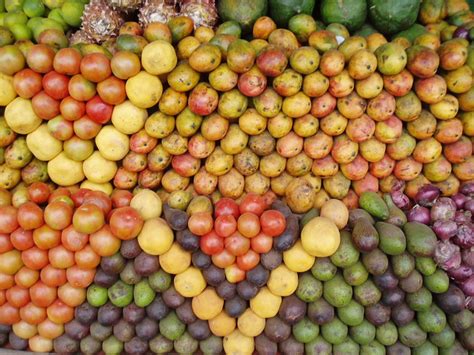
[[50, 247], [237, 234]]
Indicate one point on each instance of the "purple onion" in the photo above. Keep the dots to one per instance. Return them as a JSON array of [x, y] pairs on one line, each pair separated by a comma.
[[400, 199], [443, 208], [445, 229], [427, 194], [468, 286], [399, 185], [468, 257], [467, 188], [469, 303], [469, 205], [459, 199], [447, 255], [419, 214], [462, 217], [461, 273], [461, 32], [465, 235]]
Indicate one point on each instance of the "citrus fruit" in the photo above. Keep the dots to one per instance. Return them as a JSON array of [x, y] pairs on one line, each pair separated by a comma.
[[190, 283], [282, 281], [207, 305], [320, 237], [176, 259], [156, 237], [222, 324], [297, 259]]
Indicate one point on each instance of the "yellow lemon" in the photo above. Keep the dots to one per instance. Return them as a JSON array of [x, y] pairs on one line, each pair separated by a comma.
[[7, 90], [282, 281], [159, 57], [250, 324], [207, 305], [297, 259], [175, 260], [64, 171], [98, 169], [237, 343], [156, 238], [20, 116], [128, 118], [190, 283], [147, 203], [105, 187], [144, 90], [42, 143], [112, 144], [320, 237], [222, 324], [265, 304]]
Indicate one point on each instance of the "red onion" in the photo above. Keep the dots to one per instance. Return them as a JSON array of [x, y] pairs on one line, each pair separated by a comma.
[[459, 199], [461, 273], [400, 199], [445, 229], [465, 235], [427, 194], [467, 188], [443, 208], [447, 255], [399, 185], [469, 303], [419, 214], [468, 257], [469, 205], [462, 217], [461, 32], [468, 286]]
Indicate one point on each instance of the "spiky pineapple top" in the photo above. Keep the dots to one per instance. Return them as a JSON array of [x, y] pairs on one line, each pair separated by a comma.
[[100, 21], [157, 11], [202, 12], [126, 6], [79, 36]]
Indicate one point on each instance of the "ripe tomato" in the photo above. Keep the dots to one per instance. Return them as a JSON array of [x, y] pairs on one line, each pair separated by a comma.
[[42, 295], [80, 88], [3, 297], [17, 296], [95, 67], [35, 258], [9, 314], [71, 296], [269, 197], [40, 58], [22, 239], [211, 243], [40, 344], [60, 193], [261, 243], [73, 240], [55, 85], [125, 64], [103, 242], [46, 237], [67, 61], [223, 259], [24, 330], [225, 225], [78, 196], [53, 277], [32, 313], [125, 223], [234, 274], [8, 219], [50, 330], [200, 223], [226, 206], [98, 198], [78, 277], [99, 111], [237, 244], [72, 109], [273, 222], [88, 218], [45, 106], [5, 243], [30, 216], [6, 281], [85, 128], [112, 90], [248, 261], [60, 257], [39, 192], [248, 224], [59, 312], [121, 198], [252, 203], [27, 83], [26, 277], [87, 258], [58, 215]]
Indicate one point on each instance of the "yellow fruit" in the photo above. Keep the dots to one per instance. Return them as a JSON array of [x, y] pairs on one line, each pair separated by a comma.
[[207, 305], [320, 237], [7, 90], [10, 262], [282, 281], [238, 344], [105, 187], [144, 90], [297, 259], [190, 283], [265, 304], [9, 177], [98, 169], [250, 324], [20, 116], [112, 144], [64, 171], [128, 118], [159, 57], [336, 211], [156, 238], [222, 325], [42, 144], [175, 260], [147, 203]]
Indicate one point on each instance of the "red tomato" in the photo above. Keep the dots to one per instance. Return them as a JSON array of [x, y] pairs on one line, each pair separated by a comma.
[[45, 106], [39, 192], [237, 244], [200, 223], [234, 274], [60, 257], [60, 192], [98, 110], [52, 276], [252, 203], [225, 225], [42, 295], [95, 67], [248, 224], [112, 90], [248, 261], [72, 109], [81, 89], [226, 206], [17, 296], [121, 198], [103, 242], [87, 258], [55, 85], [273, 223], [5, 242], [67, 61], [30, 216], [9, 314], [46, 237], [211, 243], [3, 297], [88, 218], [223, 259], [26, 277], [40, 58], [22, 239], [60, 313], [98, 198], [32, 313], [8, 219], [58, 215], [78, 277], [261, 243], [35, 258], [71, 296], [125, 223], [79, 196], [27, 83], [73, 240]]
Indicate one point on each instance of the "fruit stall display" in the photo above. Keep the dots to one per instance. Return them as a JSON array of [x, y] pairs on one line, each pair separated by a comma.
[[234, 176]]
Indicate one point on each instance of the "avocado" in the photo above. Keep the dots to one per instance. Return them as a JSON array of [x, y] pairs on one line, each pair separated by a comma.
[[411, 335], [367, 294], [108, 315], [320, 311], [392, 238], [309, 288], [62, 344], [124, 331], [76, 330], [305, 330], [420, 300], [100, 331], [427, 348], [85, 314], [187, 240], [172, 298], [227, 290], [318, 346], [160, 281], [185, 312], [451, 301], [356, 274], [426, 266], [199, 330], [186, 344], [129, 275], [146, 264], [136, 345], [171, 327], [235, 306], [147, 329], [438, 282], [358, 213], [334, 332], [158, 309], [212, 345], [398, 349], [421, 240], [387, 280], [263, 345], [292, 310], [402, 315], [246, 290], [456, 349], [412, 282], [291, 346], [396, 216], [352, 314], [90, 345], [346, 254], [443, 339], [104, 280], [161, 345], [377, 314], [258, 276], [323, 269], [113, 264], [403, 264], [461, 321], [363, 333], [373, 348], [376, 262], [349, 347], [214, 275], [387, 334], [272, 259], [143, 294], [276, 329], [393, 297], [130, 248], [337, 292], [374, 204], [365, 236], [200, 260], [133, 314], [467, 338], [308, 216]]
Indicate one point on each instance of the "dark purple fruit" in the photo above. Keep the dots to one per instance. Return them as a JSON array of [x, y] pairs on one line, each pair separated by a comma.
[[109, 314], [185, 312], [76, 330], [258, 276], [246, 290], [133, 314], [291, 346], [86, 313], [201, 260], [292, 310], [387, 280], [265, 346], [113, 264], [104, 279], [3, 338], [16, 342], [277, 330], [402, 315], [226, 290], [136, 346], [199, 330], [130, 248], [146, 264], [271, 260], [90, 345], [451, 301], [65, 345], [124, 331], [398, 349], [412, 283], [100, 332], [187, 240], [213, 275], [157, 310], [235, 306], [172, 298], [393, 297], [147, 329], [320, 311], [129, 275], [5, 328], [377, 314]]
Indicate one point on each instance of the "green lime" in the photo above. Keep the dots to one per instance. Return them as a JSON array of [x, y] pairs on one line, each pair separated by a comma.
[[6, 36], [13, 18], [57, 15], [34, 22], [13, 5], [97, 295], [72, 12], [21, 31], [33, 8], [53, 4]]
